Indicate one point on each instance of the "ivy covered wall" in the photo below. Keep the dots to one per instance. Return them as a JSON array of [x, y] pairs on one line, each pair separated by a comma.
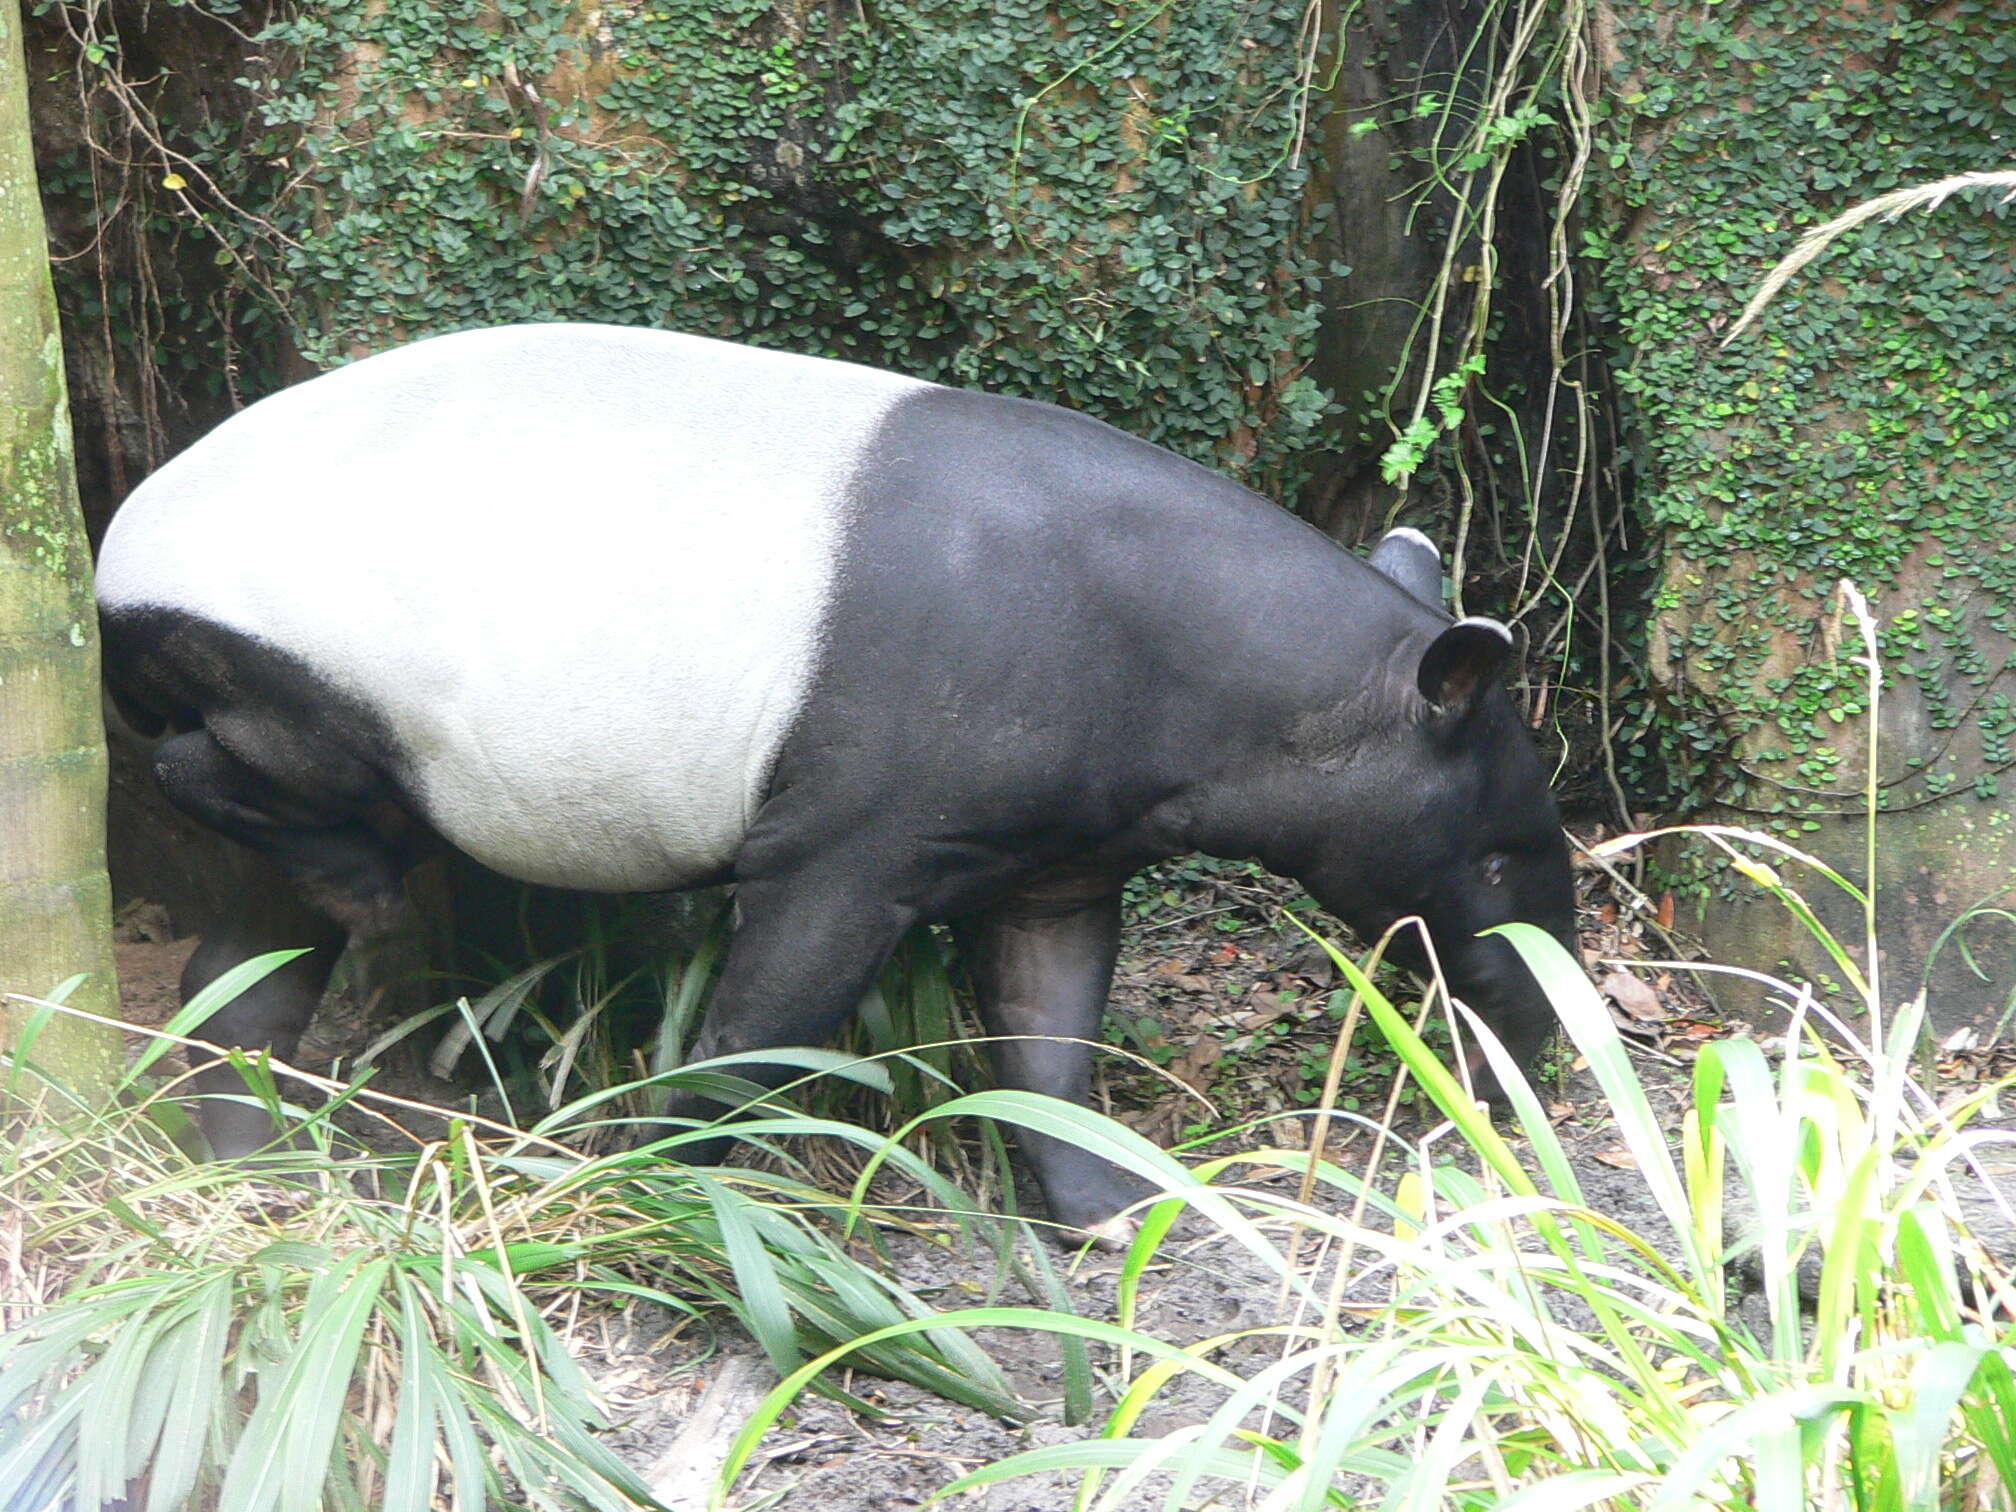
[[1866, 430], [1086, 203]]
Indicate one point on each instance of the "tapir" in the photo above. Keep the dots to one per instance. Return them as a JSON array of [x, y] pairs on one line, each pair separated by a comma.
[[629, 610]]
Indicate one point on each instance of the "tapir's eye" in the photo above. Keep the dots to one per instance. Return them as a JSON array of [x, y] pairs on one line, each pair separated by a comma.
[[1494, 869]]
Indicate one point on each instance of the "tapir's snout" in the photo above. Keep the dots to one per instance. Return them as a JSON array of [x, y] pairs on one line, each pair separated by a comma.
[[1458, 904], [1494, 980]]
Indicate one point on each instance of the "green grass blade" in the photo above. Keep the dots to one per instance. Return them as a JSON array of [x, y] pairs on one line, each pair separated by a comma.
[[1091, 1454], [1991, 1416], [1746, 1430], [106, 1430], [1447, 1093], [409, 1463], [469, 1468], [45, 1442], [1575, 1490], [282, 1461], [764, 1307], [561, 1445], [1757, 1136], [1922, 1431], [786, 1391], [1117, 1144], [1056, 1289], [1927, 1265], [1588, 1023], [46, 1348], [1850, 1257], [24, 1029]]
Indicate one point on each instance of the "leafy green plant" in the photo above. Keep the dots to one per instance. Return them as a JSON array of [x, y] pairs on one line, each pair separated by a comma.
[[1035, 199], [1879, 401], [333, 1325]]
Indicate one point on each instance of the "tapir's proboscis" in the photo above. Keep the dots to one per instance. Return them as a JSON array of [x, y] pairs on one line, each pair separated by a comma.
[[626, 610]]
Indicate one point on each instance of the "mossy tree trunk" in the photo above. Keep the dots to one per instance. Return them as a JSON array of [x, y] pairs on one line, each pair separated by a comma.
[[55, 905]]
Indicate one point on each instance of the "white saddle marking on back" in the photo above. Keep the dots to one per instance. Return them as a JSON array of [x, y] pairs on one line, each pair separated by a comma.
[[581, 572]]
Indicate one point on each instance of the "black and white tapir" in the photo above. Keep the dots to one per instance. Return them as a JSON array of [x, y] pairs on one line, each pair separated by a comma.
[[626, 610]]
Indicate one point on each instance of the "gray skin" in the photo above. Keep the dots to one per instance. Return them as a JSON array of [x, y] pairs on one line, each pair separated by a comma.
[[1056, 655]]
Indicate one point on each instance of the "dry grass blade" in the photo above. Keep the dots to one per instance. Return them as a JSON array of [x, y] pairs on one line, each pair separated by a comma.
[[1883, 207]]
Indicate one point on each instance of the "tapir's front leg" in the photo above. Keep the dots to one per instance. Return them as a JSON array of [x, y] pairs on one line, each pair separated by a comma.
[[1042, 963], [806, 949]]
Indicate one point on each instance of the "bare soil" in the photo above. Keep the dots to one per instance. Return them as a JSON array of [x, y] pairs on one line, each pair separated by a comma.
[[1236, 1008]]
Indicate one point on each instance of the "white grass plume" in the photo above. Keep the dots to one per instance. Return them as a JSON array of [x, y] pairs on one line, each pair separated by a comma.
[[1884, 206]]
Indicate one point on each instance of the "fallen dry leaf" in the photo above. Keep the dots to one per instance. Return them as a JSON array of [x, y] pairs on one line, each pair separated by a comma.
[[1621, 1158], [1266, 1009], [1194, 1065], [1633, 996]]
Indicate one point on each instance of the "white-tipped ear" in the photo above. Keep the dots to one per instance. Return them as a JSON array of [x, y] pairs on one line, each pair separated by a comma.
[[1462, 662], [1410, 559]]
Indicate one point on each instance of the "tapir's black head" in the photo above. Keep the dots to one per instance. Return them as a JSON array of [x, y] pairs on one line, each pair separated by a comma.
[[1436, 804]]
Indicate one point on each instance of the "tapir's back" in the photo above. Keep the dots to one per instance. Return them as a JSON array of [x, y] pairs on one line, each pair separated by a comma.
[[579, 574]]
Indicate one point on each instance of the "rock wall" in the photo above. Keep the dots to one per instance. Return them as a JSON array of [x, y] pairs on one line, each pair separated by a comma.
[[1866, 430]]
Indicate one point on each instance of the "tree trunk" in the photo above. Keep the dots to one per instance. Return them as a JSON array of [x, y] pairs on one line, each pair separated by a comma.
[[55, 905]]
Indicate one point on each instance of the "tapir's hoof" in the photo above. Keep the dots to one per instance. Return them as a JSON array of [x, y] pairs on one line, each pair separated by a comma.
[[1114, 1235], [1098, 1206]]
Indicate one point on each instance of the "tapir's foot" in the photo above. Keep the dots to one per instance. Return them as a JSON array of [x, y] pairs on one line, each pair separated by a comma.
[[680, 1114], [1114, 1235], [1484, 1083], [1523, 1044], [234, 1125], [1090, 1199]]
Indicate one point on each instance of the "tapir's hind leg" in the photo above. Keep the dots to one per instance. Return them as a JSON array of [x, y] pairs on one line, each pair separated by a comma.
[[342, 867], [1042, 963], [270, 1015], [339, 876]]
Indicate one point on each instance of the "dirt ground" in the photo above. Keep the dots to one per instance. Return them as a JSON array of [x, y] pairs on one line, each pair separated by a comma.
[[1227, 999]]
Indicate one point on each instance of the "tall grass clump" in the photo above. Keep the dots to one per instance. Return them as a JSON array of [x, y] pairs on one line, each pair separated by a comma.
[[1809, 1323], [363, 1323], [1806, 1317]]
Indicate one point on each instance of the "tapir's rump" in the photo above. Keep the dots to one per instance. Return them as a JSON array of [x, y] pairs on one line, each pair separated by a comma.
[[580, 573]]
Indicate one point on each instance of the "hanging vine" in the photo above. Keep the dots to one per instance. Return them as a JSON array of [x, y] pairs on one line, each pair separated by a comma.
[[1508, 452]]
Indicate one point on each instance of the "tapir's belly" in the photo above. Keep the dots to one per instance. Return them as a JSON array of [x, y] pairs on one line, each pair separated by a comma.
[[584, 595]]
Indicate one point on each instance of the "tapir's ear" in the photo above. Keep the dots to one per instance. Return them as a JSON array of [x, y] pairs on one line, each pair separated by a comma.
[[1463, 661], [1410, 559]]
